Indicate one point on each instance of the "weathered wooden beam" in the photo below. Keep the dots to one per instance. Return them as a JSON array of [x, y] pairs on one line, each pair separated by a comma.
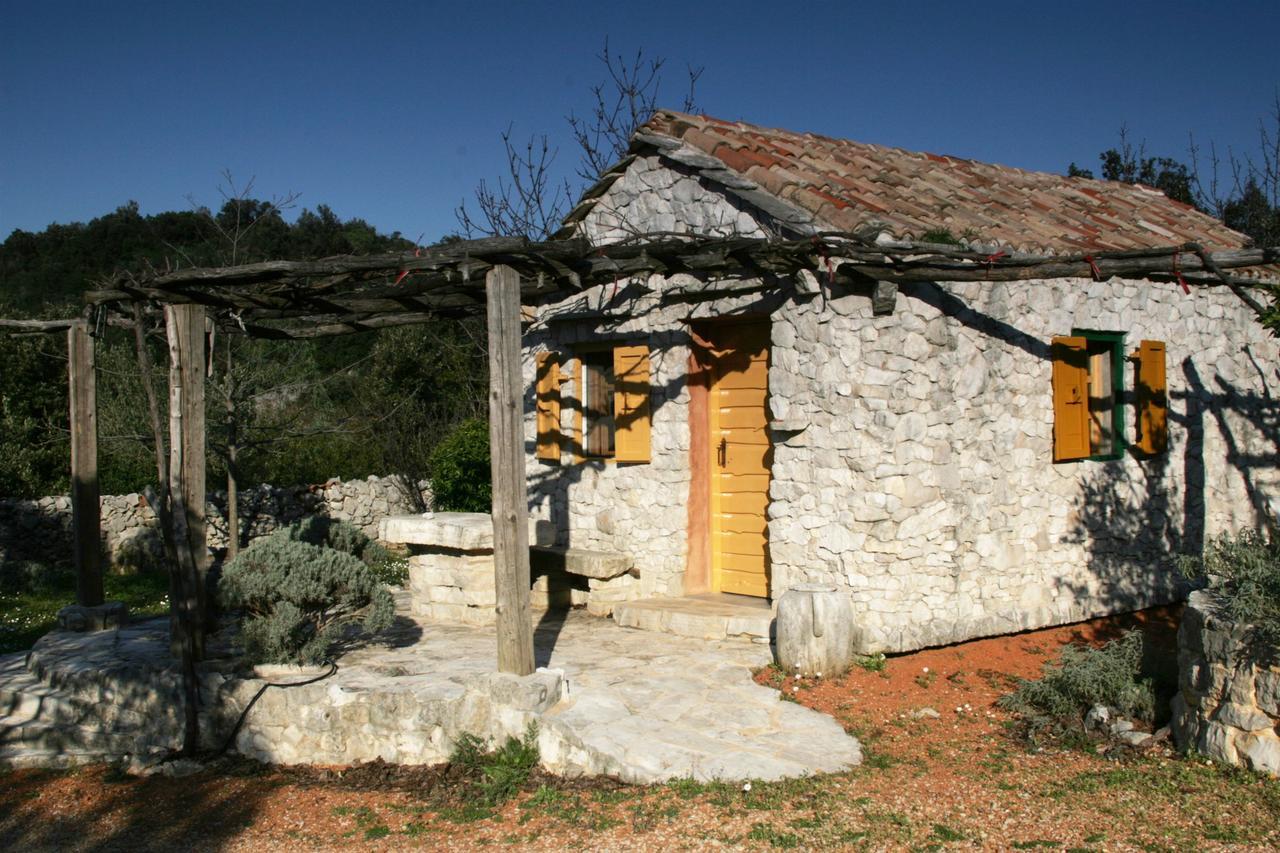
[[86, 512], [510, 499], [328, 326], [185, 326], [49, 326]]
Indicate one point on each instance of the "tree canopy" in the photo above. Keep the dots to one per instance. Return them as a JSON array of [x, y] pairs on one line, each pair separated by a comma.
[[376, 402]]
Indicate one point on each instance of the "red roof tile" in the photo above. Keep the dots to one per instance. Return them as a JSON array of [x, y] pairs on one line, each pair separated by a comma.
[[846, 184]]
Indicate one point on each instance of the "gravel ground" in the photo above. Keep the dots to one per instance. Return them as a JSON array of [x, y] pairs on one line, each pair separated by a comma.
[[959, 780]]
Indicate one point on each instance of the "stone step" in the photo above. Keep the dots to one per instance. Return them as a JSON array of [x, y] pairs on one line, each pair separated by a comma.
[[707, 617], [26, 695]]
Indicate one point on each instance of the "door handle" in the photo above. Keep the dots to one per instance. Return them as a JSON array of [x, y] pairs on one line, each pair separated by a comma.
[[722, 452]]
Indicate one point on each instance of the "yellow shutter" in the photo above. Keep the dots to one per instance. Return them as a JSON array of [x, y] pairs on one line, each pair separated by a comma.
[[1070, 399], [548, 403], [1151, 398], [631, 403]]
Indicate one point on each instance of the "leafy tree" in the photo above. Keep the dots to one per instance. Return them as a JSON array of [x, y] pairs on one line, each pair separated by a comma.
[[304, 410], [34, 445], [1132, 166]]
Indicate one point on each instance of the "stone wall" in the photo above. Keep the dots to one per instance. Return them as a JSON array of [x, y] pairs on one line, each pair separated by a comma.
[[41, 529], [913, 451], [652, 197], [1228, 701]]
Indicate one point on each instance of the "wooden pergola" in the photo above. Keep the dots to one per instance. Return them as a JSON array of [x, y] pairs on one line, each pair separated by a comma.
[[345, 295]]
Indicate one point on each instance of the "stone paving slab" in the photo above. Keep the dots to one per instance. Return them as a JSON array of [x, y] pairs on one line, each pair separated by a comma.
[[610, 700]]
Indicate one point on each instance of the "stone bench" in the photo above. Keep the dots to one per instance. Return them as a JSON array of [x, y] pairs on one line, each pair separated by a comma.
[[451, 572], [611, 577], [600, 565]]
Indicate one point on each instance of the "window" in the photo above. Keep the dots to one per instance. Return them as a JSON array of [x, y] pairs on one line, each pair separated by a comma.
[[611, 409], [597, 404], [1088, 396]]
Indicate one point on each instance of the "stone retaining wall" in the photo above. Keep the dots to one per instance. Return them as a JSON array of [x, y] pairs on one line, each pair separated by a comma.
[[1228, 701], [41, 529]]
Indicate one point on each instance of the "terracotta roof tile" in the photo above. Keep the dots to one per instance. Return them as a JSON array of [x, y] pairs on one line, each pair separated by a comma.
[[846, 184]]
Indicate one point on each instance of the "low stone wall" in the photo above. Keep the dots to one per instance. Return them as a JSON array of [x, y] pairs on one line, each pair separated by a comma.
[[1228, 701], [41, 529]]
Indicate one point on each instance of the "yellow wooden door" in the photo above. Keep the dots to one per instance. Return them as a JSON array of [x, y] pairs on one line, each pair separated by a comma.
[[741, 457]]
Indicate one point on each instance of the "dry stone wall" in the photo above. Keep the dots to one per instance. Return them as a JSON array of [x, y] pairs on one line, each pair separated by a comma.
[[41, 529], [653, 197], [1228, 701], [913, 451]]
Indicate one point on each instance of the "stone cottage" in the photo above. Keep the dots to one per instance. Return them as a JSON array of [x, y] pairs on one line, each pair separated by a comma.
[[965, 459]]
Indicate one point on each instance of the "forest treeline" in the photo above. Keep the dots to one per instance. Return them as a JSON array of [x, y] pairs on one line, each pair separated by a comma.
[[303, 411]]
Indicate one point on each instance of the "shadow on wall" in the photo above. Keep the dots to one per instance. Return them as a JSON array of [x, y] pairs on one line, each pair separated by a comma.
[[1134, 527], [550, 485]]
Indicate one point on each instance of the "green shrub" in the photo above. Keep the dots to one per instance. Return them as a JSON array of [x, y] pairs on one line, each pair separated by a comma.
[[1244, 570], [499, 775], [1083, 677], [297, 598], [460, 476], [346, 537]]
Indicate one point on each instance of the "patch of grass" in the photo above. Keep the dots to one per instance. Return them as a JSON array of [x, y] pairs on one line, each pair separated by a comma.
[[375, 832], [872, 663], [415, 829], [997, 680], [772, 675], [555, 804], [645, 815], [813, 822], [688, 788], [28, 611], [773, 837], [926, 679], [1034, 844], [942, 236], [946, 834]]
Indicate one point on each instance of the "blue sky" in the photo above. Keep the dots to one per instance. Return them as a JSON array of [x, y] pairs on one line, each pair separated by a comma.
[[392, 112]]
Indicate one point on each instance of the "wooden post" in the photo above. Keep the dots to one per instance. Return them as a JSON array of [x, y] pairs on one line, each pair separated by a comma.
[[185, 328], [85, 508], [233, 485], [506, 452]]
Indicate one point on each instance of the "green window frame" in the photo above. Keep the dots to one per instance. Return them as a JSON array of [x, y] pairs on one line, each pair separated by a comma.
[[1108, 347]]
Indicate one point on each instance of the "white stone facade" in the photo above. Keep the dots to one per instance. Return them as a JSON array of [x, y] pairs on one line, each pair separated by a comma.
[[913, 451]]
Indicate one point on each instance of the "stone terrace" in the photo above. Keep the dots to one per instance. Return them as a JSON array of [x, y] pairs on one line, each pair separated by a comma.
[[607, 700]]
